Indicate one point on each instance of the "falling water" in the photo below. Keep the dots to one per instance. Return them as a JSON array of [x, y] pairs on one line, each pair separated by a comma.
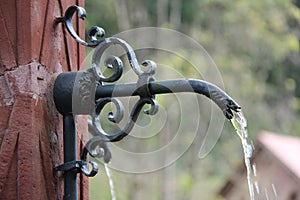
[[111, 183], [275, 191], [266, 193], [255, 182], [239, 122]]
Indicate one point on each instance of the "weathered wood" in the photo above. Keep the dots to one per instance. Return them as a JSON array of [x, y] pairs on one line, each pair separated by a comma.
[[33, 50], [71, 52], [8, 36]]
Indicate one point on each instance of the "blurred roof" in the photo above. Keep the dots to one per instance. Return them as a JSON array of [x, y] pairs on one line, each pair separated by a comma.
[[285, 148]]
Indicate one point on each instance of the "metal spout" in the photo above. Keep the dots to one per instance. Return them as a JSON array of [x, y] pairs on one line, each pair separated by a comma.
[[223, 100]]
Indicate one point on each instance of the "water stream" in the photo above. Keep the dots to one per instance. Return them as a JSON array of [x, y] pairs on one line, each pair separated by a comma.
[[239, 122], [110, 180]]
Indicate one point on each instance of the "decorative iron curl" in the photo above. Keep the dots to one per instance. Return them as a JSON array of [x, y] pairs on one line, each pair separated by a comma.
[[131, 121], [98, 145], [95, 33], [118, 65]]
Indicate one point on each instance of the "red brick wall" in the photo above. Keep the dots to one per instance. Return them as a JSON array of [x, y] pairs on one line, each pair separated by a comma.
[[32, 52]]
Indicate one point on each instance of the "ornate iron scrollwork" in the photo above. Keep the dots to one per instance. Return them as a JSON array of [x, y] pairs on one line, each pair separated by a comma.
[[98, 145], [90, 92], [100, 137]]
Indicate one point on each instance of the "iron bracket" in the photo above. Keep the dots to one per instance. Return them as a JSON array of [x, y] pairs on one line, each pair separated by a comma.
[[79, 166]]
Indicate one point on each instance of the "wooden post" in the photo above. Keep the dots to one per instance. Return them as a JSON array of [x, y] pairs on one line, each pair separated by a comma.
[[33, 51]]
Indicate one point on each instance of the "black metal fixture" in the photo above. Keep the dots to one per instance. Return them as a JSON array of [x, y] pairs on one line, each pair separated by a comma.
[[85, 92]]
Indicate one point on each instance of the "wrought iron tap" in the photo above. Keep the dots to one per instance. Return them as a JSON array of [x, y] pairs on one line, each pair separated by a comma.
[[87, 92]]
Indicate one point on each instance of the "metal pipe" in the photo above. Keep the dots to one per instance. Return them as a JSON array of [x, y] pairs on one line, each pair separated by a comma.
[[157, 87], [70, 176], [211, 91]]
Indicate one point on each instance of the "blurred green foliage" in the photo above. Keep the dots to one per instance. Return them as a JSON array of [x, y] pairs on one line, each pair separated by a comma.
[[255, 45]]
